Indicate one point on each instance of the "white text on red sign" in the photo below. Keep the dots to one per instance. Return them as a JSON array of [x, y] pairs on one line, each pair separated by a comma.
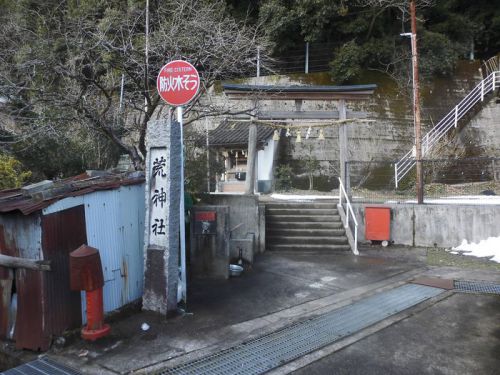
[[184, 82]]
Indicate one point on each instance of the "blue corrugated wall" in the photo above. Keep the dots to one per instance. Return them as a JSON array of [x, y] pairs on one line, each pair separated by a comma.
[[115, 226]]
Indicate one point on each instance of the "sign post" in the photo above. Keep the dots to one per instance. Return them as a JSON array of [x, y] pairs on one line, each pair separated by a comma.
[[178, 83]]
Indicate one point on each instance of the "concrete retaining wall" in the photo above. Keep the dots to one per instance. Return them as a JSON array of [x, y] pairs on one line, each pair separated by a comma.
[[391, 133], [437, 225]]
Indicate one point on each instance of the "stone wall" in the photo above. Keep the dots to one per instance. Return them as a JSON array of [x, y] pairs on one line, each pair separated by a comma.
[[433, 225], [480, 135], [390, 134]]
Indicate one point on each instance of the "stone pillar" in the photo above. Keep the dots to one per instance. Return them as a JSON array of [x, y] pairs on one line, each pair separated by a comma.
[[161, 238], [252, 155]]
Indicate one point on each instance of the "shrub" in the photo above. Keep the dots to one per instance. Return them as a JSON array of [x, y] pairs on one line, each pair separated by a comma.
[[11, 173], [284, 177], [347, 62]]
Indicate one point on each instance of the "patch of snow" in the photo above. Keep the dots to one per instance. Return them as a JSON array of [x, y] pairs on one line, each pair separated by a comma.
[[301, 198], [316, 285], [301, 294], [485, 248], [466, 199], [229, 193], [327, 279]]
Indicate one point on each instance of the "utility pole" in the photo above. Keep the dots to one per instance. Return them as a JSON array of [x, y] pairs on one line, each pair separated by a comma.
[[258, 61], [208, 155], [146, 52], [416, 104]]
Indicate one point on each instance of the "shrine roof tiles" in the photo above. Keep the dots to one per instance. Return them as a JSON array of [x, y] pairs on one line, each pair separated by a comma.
[[235, 133]]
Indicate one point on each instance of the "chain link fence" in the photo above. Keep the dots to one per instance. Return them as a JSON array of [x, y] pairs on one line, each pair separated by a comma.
[[373, 181], [307, 175]]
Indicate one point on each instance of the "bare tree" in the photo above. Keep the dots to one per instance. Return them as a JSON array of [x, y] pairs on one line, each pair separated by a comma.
[[400, 4], [84, 68], [398, 68]]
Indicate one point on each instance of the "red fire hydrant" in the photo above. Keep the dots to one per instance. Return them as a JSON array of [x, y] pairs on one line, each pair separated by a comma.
[[86, 274]]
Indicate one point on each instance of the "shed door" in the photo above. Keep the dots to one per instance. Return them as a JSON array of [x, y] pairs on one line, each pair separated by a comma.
[[62, 232], [5, 287]]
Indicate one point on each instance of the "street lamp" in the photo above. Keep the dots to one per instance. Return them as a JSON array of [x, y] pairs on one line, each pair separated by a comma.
[[412, 39]]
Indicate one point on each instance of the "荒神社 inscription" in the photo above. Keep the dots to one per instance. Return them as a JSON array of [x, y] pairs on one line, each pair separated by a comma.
[[158, 197]]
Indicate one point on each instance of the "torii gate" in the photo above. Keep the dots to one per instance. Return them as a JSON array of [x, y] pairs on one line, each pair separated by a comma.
[[299, 94]]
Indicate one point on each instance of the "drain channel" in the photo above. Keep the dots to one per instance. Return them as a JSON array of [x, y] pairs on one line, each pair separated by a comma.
[[273, 350], [476, 287], [42, 366]]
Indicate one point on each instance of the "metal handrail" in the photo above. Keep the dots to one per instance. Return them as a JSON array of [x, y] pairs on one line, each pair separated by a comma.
[[347, 211], [477, 94]]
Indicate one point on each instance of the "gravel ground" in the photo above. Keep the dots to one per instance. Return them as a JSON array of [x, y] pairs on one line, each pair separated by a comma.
[[440, 257]]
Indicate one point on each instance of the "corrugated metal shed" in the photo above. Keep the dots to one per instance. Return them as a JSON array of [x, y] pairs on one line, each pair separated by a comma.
[[115, 226], [106, 213]]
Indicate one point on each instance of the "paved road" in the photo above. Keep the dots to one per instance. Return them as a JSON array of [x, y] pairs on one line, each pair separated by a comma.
[[458, 335]]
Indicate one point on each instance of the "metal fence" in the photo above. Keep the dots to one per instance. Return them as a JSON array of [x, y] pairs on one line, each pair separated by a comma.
[[306, 58], [373, 181]]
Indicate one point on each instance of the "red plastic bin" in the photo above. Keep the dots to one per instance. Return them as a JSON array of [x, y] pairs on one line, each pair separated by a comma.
[[378, 223]]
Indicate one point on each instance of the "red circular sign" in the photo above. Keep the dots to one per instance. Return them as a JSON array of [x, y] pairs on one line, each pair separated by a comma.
[[178, 82]]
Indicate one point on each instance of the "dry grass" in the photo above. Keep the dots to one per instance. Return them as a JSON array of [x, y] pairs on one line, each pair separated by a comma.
[[440, 257]]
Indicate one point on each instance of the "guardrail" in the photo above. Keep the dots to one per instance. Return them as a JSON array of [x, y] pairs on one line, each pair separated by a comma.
[[349, 213], [477, 94]]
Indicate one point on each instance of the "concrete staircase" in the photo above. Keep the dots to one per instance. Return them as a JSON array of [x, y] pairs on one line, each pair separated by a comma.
[[449, 122], [314, 226]]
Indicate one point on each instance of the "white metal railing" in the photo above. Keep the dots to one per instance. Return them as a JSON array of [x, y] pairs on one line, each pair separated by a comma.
[[429, 140], [491, 65], [348, 212]]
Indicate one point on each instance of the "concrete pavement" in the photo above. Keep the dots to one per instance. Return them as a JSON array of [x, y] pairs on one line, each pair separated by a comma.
[[280, 289]]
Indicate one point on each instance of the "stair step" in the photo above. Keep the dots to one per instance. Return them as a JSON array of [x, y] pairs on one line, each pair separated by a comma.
[[302, 218], [305, 226], [303, 240], [301, 211], [279, 225], [295, 247], [313, 232]]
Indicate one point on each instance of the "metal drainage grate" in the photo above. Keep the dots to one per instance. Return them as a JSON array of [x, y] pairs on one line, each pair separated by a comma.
[[477, 287], [273, 350], [42, 366]]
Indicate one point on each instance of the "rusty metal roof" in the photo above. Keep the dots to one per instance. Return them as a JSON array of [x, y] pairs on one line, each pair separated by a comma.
[[16, 200]]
